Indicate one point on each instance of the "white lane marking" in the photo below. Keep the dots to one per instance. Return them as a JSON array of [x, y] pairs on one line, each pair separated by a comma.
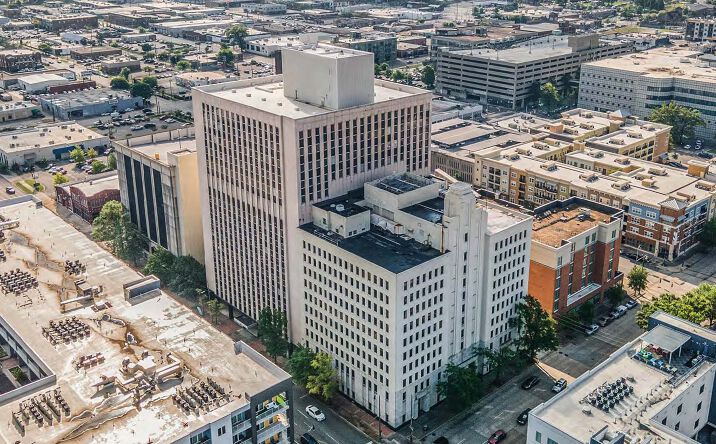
[[461, 441], [334, 439], [304, 415]]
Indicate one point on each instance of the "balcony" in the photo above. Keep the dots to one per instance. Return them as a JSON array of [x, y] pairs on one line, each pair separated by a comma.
[[276, 409], [271, 430], [582, 292]]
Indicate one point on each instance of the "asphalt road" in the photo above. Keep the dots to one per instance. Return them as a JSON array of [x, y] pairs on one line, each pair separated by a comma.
[[332, 430]]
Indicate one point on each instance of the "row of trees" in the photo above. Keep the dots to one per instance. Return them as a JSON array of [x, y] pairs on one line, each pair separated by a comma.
[[427, 74], [308, 368], [536, 332], [144, 87], [114, 227], [697, 306], [682, 119], [183, 275]]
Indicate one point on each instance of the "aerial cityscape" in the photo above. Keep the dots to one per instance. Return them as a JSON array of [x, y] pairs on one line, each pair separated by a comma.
[[344, 222]]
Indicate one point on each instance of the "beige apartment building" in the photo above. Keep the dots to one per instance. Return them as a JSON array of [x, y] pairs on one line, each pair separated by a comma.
[[269, 148]]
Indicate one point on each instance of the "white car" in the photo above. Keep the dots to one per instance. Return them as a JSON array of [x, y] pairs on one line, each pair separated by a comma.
[[590, 330], [315, 413]]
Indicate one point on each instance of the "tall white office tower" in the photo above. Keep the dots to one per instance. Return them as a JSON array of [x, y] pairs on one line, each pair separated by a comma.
[[401, 279], [271, 147]]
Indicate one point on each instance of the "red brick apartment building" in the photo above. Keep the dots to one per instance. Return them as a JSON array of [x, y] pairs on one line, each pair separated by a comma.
[[575, 253]]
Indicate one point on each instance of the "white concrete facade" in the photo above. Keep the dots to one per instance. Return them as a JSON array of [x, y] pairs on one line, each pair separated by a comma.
[[265, 158], [393, 317]]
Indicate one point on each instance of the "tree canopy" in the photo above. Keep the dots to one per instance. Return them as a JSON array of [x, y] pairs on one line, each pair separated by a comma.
[[549, 96], [428, 76], [141, 89], [460, 386], [637, 280], [299, 365], [697, 306], [323, 381], [226, 56], [119, 83], [113, 226], [615, 295], [273, 331], [708, 235], [237, 34], [183, 275], [78, 155], [535, 327], [683, 120]]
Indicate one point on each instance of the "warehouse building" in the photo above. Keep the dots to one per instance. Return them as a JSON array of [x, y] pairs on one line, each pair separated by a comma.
[[14, 60], [87, 103]]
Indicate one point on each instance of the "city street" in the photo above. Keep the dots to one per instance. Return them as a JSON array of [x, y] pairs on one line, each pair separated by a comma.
[[332, 430]]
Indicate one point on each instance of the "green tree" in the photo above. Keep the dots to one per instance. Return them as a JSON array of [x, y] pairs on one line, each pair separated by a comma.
[[146, 47], [44, 47], [683, 120], [188, 274], [160, 263], [151, 81], [132, 243], [534, 93], [460, 386], [97, 166], [397, 75], [226, 56], [637, 280], [59, 179], [214, 308], [272, 331], [615, 295], [237, 34], [183, 65], [77, 155], [141, 89], [498, 362], [585, 312], [299, 365], [535, 327], [91, 153], [112, 162], [125, 72], [107, 226], [323, 381], [119, 83], [692, 307], [549, 96], [707, 237], [428, 76]]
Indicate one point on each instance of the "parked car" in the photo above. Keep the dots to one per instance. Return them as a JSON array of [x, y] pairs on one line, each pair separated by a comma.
[[137, 128], [614, 314], [10, 190], [530, 382], [604, 321], [687, 147], [705, 155], [306, 438], [621, 310], [496, 437], [559, 385], [591, 329], [315, 413], [630, 303], [522, 419]]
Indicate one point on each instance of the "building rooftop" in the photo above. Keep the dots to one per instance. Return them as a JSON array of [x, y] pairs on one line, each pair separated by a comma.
[[158, 151], [387, 250], [500, 218], [154, 336], [76, 99], [431, 210], [42, 77], [266, 94], [662, 62], [559, 226], [575, 412], [62, 133], [401, 183]]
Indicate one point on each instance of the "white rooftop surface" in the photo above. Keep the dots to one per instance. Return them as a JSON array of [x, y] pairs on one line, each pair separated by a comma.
[[500, 218], [163, 148], [161, 326], [268, 96], [72, 134], [662, 62], [564, 411], [39, 78]]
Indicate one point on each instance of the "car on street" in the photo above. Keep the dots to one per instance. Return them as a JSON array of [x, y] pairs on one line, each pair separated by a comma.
[[621, 310], [522, 419], [559, 385], [530, 382], [687, 147], [315, 413], [705, 155], [604, 321], [10, 190], [630, 303], [307, 438], [496, 437], [137, 128], [591, 329]]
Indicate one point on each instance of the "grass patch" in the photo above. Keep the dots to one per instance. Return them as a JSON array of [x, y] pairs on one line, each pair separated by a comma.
[[19, 375], [28, 186]]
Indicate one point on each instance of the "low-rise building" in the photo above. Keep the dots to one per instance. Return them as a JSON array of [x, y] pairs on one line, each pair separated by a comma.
[[639, 83], [56, 23], [700, 30], [86, 198], [159, 183], [47, 142], [383, 46], [18, 111], [658, 387], [87, 103], [264, 8], [147, 365], [415, 277], [182, 28], [139, 37], [268, 46], [39, 83], [575, 253], [94, 52], [115, 66], [192, 79], [508, 77], [14, 60], [410, 50]]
